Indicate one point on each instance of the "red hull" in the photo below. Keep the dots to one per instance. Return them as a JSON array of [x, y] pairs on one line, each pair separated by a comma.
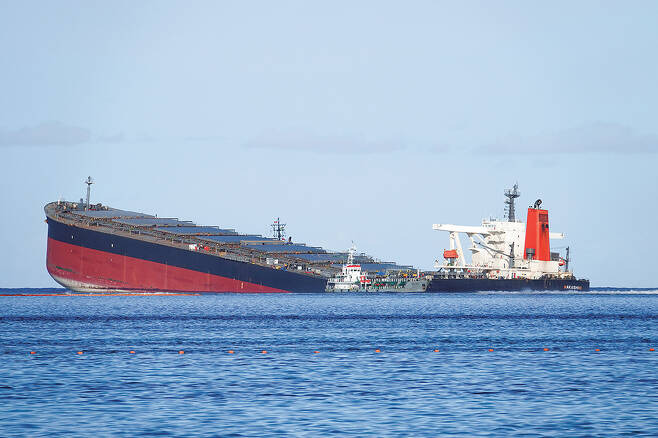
[[86, 269]]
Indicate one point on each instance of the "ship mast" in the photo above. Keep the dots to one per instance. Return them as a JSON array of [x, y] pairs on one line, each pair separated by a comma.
[[89, 182], [350, 254], [511, 195], [278, 229]]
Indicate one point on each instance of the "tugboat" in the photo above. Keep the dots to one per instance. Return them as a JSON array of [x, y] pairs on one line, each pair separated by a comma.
[[353, 279]]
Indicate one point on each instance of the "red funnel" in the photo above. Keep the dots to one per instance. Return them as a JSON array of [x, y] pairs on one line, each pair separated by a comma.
[[537, 236]]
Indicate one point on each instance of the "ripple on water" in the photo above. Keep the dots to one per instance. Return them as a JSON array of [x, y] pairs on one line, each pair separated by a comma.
[[405, 389]]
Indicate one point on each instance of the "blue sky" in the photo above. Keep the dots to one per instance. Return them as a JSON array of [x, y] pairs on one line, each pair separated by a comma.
[[364, 121]]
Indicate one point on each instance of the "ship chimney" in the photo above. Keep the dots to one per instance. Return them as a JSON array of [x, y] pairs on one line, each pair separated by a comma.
[[537, 243]]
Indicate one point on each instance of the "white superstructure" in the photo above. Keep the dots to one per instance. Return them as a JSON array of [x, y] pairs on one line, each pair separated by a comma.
[[497, 249], [350, 277]]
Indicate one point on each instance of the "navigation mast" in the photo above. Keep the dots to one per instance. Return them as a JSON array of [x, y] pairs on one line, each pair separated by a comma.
[[278, 229], [511, 195], [89, 182]]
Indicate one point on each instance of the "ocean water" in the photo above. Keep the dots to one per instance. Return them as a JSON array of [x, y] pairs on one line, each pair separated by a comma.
[[347, 387]]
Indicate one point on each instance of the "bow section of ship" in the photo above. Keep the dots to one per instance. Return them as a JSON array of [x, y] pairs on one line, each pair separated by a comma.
[[96, 248]]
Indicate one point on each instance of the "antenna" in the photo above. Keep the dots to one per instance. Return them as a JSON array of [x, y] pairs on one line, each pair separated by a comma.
[[278, 229], [511, 195], [89, 182]]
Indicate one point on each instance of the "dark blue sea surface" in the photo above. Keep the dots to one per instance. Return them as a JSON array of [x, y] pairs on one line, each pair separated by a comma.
[[405, 389]]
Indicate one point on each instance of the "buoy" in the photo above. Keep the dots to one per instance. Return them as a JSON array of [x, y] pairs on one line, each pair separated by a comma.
[[132, 352], [491, 349], [597, 349], [231, 352], [545, 349], [181, 352], [436, 351], [651, 349], [377, 351], [316, 352], [33, 352], [263, 352], [79, 352]]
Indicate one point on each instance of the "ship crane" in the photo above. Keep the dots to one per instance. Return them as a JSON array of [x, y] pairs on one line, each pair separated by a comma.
[[484, 234], [455, 242], [510, 255]]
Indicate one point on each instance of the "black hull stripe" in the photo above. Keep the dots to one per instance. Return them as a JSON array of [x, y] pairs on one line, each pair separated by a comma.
[[482, 284]]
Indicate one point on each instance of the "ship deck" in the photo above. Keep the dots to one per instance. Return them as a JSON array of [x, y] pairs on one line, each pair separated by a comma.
[[226, 243]]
